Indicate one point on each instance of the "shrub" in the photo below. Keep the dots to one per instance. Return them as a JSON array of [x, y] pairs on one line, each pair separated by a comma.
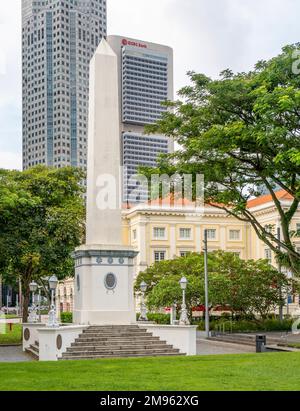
[[66, 317], [157, 318], [248, 326]]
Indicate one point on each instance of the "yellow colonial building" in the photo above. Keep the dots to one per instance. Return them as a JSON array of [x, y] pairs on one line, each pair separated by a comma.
[[162, 231]]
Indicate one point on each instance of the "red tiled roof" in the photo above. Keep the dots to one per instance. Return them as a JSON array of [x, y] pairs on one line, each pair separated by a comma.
[[170, 200], [267, 198]]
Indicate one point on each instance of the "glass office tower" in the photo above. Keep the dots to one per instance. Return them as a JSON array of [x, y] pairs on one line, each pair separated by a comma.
[[59, 37]]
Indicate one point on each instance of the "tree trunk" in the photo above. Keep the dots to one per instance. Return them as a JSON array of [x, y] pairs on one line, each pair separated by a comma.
[[26, 299], [1, 292], [20, 297]]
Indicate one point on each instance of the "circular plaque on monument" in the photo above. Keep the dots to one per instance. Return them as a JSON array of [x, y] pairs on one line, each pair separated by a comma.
[[110, 281], [26, 334]]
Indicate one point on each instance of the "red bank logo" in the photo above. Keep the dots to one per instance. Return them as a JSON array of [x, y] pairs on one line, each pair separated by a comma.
[[133, 43]]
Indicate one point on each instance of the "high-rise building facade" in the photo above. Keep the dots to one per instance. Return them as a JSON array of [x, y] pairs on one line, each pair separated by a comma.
[[59, 37], [145, 81]]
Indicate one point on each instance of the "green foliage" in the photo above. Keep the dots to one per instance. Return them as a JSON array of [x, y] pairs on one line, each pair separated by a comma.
[[13, 336], [41, 222], [241, 132], [158, 318], [245, 287], [66, 317], [247, 326]]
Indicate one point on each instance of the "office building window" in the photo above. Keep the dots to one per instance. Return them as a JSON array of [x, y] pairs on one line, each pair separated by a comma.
[[159, 256], [268, 255], [234, 234], [185, 233], [134, 234], [159, 233], [184, 253], [211, 234]]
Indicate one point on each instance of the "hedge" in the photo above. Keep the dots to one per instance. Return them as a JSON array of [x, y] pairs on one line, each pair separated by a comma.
[[66, 317]]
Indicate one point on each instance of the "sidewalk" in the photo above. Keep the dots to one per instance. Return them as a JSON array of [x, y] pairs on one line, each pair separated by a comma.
[[207, 347], [13, 354]]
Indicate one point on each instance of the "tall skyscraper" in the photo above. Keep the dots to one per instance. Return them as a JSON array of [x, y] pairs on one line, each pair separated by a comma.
[[59, 38], [145, 81]]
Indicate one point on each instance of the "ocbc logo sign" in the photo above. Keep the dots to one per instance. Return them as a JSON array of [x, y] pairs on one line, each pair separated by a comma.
[[126, 42]]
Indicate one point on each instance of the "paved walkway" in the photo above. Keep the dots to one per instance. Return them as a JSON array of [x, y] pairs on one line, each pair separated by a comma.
[[206, 347], [13, 354]]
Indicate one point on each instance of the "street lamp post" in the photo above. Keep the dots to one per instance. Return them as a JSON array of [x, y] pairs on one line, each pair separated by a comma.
[[40, 300], [184, 319], [207, 331], [52, 321], [143, 316], [17, 305], [32, 316]]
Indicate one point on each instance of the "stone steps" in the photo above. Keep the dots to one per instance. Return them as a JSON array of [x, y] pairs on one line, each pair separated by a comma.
[[110, 328], [114, 339], [113, 335], [117, 342], [121, 351], [95, 357], [108, 343], [33, 350], [109, 347]]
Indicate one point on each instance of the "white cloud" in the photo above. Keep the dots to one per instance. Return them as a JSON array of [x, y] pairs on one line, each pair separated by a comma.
[[2, 52], [9, 160], [10, 85], [207, 36]]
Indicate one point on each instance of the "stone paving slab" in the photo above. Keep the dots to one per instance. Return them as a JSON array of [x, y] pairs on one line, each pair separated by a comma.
[[206, 347], [13, 354]]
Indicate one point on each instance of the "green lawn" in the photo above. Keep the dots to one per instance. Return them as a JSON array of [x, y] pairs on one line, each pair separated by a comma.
[[11, 337], [273, 371]]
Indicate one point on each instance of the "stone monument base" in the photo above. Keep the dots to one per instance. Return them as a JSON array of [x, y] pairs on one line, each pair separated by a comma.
[[104, 285]]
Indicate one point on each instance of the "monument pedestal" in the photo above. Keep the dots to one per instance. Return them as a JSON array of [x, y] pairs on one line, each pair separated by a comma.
[[104, 285]]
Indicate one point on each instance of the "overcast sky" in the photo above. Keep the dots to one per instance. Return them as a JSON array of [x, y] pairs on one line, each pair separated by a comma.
[[207, 36]]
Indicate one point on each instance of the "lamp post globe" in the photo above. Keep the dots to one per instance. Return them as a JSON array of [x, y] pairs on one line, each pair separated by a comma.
[[143, 287], [33, 286], [183, 283], [53, 281], [184, 319]]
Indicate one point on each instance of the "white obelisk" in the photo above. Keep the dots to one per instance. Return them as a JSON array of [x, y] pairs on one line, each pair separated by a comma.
[[104, 267]]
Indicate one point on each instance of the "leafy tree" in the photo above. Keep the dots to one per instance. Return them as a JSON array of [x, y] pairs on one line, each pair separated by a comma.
[[246, 287], [41, 222], [168, 291], [241, 132]]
